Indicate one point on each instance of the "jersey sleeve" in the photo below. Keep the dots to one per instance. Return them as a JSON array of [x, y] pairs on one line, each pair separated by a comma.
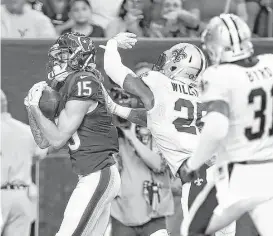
[[85, 88], [151, 79], [215, 85]]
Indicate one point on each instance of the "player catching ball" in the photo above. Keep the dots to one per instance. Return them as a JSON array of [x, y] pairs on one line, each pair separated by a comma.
[[84, 123]]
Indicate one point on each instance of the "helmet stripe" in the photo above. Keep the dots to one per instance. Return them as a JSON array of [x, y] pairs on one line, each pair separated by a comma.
[[230, 37], [233, 32], [237, 29], [202, 60]]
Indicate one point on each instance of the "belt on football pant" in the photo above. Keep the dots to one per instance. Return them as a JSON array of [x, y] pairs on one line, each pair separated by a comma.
[[14, 186]]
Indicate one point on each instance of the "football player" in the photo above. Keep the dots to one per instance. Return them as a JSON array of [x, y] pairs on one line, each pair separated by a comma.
[[85, 125], [238, 91], [174, 80], [169, 93]]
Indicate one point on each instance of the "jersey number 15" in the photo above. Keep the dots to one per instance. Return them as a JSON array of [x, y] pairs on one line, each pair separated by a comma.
[[191, 123]]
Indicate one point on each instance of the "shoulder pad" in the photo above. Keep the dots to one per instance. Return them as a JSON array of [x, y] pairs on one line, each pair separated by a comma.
[[153, 79]]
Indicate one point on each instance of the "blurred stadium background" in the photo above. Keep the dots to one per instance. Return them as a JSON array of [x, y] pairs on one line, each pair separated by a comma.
[[23, 64]]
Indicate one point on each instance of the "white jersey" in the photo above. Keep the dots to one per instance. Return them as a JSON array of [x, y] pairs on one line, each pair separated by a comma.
[[173, 121], [249, 93]]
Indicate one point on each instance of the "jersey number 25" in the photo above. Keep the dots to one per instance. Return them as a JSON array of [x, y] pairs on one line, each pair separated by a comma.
[[191, 123]]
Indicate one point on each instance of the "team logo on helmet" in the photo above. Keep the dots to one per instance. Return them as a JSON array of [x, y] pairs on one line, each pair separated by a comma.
[[179, 54], [84, 43]]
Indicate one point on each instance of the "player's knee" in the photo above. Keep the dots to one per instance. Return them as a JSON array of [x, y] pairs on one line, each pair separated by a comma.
[[161, 232]]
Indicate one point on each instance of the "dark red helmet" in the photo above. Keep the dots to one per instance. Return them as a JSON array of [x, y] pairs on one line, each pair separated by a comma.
[[71, 52]]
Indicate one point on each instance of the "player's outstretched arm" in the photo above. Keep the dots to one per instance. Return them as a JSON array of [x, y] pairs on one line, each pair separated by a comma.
[[122, 75], [40, 140], [136, 116], [216, 97], [32, 99], [69, 121]]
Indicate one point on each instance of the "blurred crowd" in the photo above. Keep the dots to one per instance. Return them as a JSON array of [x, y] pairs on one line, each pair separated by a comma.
[[145, 18]]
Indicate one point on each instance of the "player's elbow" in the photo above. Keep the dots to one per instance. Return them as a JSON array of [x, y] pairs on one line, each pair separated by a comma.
[[60, 140], [43, 146], [217, 125]]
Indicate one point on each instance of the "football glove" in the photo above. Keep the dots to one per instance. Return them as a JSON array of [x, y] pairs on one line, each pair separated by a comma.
[[35, 93], [186, 175], [124, 40]]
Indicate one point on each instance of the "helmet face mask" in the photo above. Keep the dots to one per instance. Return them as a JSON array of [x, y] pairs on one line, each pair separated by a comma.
[[57, 62]]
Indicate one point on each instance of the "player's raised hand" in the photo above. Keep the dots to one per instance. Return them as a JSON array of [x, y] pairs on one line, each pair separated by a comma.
[[126, 40], [35, 93]]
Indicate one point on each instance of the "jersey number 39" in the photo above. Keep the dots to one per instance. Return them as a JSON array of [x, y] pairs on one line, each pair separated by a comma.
[[191, 123]]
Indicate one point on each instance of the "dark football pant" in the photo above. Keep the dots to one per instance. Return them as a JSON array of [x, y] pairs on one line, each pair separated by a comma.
[[201, 219], [203, 196], [88, 210]]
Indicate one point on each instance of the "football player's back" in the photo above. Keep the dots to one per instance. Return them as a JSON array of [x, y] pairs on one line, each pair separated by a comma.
[[250, 91]]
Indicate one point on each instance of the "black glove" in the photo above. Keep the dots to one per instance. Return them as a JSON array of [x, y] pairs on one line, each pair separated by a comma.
[[185, 174]]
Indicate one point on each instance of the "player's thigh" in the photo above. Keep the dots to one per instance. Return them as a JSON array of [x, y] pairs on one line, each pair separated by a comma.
[[99, 218], [87, 202], [102, 222], [200, 211], [155, 227], [243, 184], [225, 216], [119, 229], [262, 216]]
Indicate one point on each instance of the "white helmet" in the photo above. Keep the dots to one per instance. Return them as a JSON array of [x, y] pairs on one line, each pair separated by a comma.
[[227, 38], [183, 62]]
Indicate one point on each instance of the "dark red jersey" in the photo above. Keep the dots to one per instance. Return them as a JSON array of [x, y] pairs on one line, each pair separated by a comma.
[[96, 140]]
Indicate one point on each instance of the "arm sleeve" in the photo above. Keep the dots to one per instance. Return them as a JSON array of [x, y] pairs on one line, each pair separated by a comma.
[[152, 79], [113, 65]]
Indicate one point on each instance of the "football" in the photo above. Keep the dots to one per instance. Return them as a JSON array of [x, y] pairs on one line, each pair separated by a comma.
[[49, 103]]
